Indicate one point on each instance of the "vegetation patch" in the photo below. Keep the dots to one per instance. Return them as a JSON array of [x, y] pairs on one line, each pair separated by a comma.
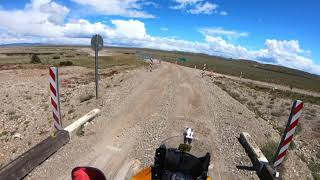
[[4, 133], [56, 57], [35, 59], [269, 149], [314, 168], [66, 63], [276, 93]]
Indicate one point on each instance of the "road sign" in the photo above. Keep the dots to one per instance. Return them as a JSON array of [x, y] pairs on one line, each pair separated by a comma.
[[96, 45], [96, 42]]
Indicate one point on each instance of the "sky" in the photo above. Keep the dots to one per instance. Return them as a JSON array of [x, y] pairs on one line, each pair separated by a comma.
[[284, 32]]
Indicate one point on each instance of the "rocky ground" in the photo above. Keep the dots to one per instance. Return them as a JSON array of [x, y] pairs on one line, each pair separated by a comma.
[[139, 109], [26, 116], [273, 107]]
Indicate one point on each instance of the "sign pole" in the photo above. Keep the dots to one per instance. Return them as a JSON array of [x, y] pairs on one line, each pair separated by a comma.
[[97, 45], [96, 64]]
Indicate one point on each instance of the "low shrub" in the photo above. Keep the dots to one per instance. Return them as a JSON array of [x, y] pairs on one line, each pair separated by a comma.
[[269, 149], [35, 59], [66, 63]]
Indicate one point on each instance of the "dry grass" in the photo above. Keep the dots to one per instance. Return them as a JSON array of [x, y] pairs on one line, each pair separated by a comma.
[[314, 168], [285, 94], [269, 149], [62, 56]]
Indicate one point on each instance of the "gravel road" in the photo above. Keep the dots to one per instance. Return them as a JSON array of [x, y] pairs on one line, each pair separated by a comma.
[[148, 107]]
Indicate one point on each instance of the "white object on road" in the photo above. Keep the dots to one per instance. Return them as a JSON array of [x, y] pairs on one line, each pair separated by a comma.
[[189, 133], [17, 135], [82, 120]]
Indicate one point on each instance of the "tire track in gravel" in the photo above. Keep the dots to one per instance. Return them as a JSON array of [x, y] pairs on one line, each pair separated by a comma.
[[200, 117]]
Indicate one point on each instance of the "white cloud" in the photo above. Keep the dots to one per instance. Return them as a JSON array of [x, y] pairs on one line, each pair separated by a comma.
[[129, 29], [40, 18], [127, 8], [219, 31], [277, 47], [205, 8], [182, 4], [197, 7], [223, 13], [289, 53]]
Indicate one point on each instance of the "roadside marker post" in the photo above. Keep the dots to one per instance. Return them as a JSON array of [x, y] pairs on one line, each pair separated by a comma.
[[287, 137], [97, 45], [151, 65], [55, 97]]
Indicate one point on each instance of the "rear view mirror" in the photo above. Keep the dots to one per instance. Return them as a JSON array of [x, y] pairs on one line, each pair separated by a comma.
[[87, 173]]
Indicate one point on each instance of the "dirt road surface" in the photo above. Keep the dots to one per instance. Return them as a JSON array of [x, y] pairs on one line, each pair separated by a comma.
[[149, 107]]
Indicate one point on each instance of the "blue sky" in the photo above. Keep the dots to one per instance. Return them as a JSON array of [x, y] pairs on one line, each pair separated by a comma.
[[279, 32]]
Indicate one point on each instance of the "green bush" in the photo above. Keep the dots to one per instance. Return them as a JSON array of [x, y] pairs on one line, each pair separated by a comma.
[[35, 59], [269, 149], [66, 63]]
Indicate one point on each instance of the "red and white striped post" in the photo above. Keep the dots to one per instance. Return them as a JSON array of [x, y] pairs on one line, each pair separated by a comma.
[[293, 121], [55, 96]]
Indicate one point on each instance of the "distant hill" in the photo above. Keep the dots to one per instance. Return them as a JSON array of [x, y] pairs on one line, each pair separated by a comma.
[[21, 44]]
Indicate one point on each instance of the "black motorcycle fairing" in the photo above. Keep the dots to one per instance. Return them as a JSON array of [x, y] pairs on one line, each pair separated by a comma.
[[171, 161]]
